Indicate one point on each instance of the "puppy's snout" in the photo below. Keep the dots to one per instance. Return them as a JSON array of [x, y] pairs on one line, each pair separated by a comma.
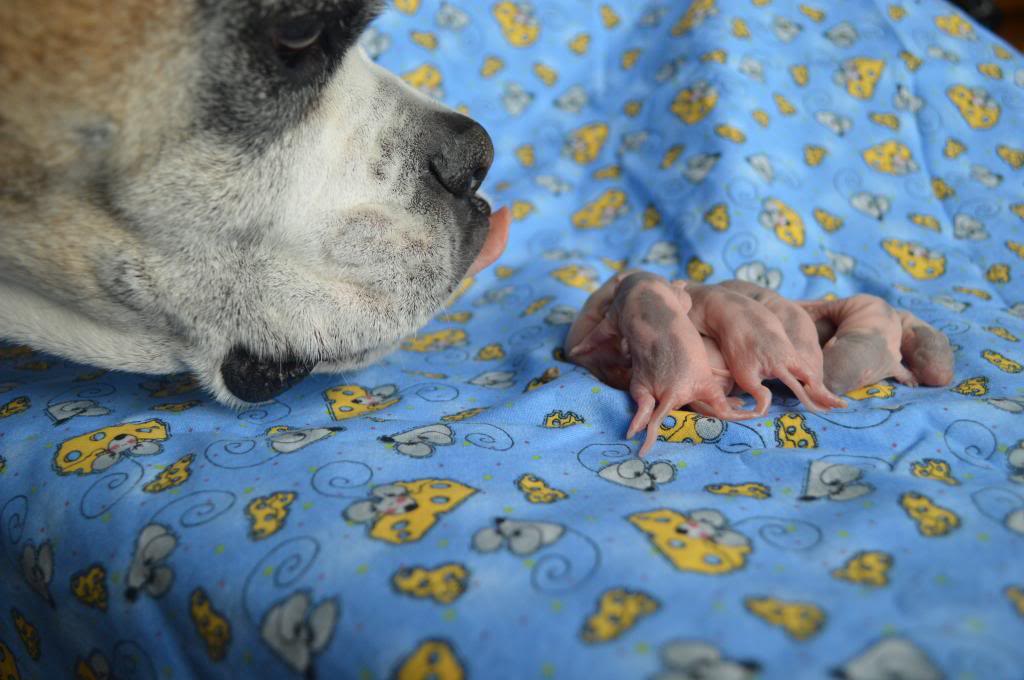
[[462, 156]]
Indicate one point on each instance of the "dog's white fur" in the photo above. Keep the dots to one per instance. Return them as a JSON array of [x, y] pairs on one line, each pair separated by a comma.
[[318, 246]]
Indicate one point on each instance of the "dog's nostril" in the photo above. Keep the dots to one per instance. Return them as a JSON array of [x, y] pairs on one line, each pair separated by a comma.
[[478, 179], [465, 153]]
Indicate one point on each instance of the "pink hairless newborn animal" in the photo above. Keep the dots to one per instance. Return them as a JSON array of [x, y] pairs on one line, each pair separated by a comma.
[[634, 333], [673, 344], [866, 340], [755, 331]]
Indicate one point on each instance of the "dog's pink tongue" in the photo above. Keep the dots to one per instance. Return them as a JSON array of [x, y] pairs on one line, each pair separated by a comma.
[[494, 246]]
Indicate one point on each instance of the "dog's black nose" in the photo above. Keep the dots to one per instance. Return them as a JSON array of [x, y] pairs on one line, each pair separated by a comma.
[[462, 154]]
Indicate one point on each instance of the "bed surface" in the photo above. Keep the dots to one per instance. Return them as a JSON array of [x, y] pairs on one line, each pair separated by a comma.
[[469, 508]]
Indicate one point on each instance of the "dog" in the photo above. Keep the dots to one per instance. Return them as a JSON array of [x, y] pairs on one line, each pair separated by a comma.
[[227, 188]]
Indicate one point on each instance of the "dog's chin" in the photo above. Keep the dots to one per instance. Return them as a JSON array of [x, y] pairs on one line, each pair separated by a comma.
[[244, 379]]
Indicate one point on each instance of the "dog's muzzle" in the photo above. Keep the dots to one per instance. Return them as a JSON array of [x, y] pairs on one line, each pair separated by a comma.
[[458, 158]]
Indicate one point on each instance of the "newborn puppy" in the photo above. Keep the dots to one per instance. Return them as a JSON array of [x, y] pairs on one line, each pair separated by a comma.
[[673, 344], [926, 351], [800, 330], [634, 333], [756, 347], [865, 341]]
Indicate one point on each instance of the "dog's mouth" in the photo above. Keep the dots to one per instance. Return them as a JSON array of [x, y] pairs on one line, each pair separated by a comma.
[[479, 204], [497, 236], [252, 379]]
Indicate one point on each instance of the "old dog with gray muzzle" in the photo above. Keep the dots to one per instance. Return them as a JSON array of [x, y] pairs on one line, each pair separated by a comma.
[[228, 188]]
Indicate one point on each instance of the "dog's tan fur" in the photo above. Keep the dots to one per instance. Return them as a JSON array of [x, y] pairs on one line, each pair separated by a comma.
[[70, 73]]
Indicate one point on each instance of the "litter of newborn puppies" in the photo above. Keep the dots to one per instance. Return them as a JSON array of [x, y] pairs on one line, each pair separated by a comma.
[[675, 343]]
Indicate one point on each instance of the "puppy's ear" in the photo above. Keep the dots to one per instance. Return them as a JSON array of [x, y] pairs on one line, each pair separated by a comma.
[[252, 379]]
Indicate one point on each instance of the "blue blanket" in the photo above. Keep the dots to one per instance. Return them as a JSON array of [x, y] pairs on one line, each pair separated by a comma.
[[469, 508]]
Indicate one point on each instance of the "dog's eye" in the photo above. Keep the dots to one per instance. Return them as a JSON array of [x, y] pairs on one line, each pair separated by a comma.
[[298, 34], [294, 37]]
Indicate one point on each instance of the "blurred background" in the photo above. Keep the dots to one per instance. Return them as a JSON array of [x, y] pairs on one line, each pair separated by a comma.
[[1005, 17], [1013, 22]]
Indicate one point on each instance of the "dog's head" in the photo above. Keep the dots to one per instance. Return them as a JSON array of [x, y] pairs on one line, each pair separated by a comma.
[[241, 191]]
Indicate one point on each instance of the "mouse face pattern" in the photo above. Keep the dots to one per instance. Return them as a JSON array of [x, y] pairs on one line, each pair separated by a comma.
[[96, 451], [468, 501]]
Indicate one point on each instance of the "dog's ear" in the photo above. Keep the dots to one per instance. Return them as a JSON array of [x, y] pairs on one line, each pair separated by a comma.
[[252, 379]]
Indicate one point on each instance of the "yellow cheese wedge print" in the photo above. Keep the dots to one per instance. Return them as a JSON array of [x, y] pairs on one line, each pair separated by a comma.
[[536, 490], [1003, 363], [866, 568], [491, 66], [784, 221], [602, 211], [955, 26], [926, 221], [818, 270], [876, 391], [935, 469], [1013, 157], [586, 143], [973, 387], [800, 74], [998, 273], [693, 104], [580, 44], [700, 542], [518, 23], [800, 620], [932, 520], [911, 60], [953, 148], [993, 71], [860, 76], [827, 220], [979, 110], [718, 217], [698, 270], [915, 259], [1003, 333], [695, 15], [890, 157], [888, 120], [444, 585], [754, 490], [618, 611], [432, 660]]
